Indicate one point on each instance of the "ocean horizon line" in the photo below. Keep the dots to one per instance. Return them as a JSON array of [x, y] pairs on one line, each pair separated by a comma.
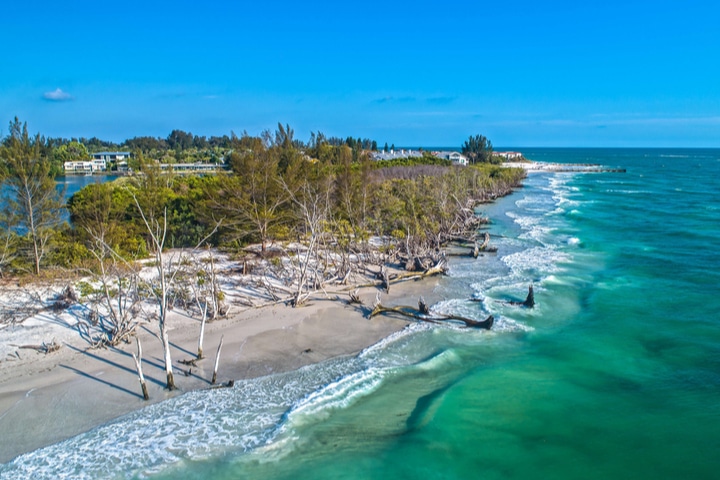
[[516, 148]]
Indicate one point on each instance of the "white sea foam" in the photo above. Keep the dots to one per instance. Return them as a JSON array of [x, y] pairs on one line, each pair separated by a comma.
[[504, 324], [628, 192], [525, 221], [536, 260], [338, 394], [562, 200], [193, 426]]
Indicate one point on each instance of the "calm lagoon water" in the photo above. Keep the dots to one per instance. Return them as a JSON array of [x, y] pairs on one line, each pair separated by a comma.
[[74, 183], [614, 374], [71, 184]]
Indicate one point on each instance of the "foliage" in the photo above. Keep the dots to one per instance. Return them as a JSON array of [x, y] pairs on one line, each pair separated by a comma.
[[33, 204], [479, 150], [326, 192], [73, 151], [426, 159]]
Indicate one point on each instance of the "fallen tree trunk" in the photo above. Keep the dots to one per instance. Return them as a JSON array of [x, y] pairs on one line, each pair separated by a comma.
[[439, 268], [411, 312], [44, 348]]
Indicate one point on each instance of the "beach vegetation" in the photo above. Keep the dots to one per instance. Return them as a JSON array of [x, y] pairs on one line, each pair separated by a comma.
[[327, 192], [479, 149], [33, 204]]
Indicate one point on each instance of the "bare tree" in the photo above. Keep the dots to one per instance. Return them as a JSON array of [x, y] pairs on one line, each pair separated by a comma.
[[312, 204], [167, 270], [206, 294], [159, 287], [138, 366], [117, 296]]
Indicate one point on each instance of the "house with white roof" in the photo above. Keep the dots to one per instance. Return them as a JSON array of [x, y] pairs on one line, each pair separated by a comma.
[[78, 167], [456, 157], [509, 155], [395, 154]]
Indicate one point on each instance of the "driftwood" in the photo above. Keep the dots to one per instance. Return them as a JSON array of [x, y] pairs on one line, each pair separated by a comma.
[[65, 299], [475, 249], [439, 268], [418, 314], [529, 300], [43, 348], [355, 297], [228, 384], [486, 241], [383, 276], [423, 307], [485, 247]]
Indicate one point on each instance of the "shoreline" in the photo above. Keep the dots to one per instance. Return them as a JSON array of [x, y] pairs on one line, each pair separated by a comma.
[[48, 398], [534, 167]]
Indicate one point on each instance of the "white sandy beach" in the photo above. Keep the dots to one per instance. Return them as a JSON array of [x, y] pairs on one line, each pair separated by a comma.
[[45, 398]]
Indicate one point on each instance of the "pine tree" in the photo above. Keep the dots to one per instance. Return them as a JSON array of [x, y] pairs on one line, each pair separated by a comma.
[[33, 199]]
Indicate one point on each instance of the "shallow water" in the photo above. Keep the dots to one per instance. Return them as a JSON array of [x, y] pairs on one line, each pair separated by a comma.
[[614, 374]]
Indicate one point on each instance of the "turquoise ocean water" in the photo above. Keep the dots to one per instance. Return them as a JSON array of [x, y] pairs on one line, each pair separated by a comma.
[[614, 374]]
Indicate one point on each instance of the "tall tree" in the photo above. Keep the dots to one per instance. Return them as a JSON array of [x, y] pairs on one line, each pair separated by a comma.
[[478, 149], [73, 151], [157, 228], [252, 201], [33, 199]]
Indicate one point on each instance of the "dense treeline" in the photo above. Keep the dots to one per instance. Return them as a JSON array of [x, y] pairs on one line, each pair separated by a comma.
[[278, 189], [178, 147]]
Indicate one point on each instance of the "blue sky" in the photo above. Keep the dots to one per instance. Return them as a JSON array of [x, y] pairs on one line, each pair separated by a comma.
[[523, 73]]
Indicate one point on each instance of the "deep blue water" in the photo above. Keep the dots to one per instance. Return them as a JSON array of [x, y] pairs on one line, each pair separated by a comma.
[[614, 374]]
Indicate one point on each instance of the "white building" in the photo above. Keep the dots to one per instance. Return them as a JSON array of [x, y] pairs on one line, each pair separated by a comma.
[[456, 157], [111, 156], [78, 167], [191, 167], [395, 154], [85, 166], [509, 155]]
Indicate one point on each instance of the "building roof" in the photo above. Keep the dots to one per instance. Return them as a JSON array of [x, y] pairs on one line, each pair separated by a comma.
[[395, 154]]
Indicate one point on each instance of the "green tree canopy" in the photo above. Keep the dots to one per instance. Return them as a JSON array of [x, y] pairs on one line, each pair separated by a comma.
[[478, 149], [33, 202], [71, 152]]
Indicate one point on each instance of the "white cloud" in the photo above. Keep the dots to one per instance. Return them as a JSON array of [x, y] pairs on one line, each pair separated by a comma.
[[57, 95]]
